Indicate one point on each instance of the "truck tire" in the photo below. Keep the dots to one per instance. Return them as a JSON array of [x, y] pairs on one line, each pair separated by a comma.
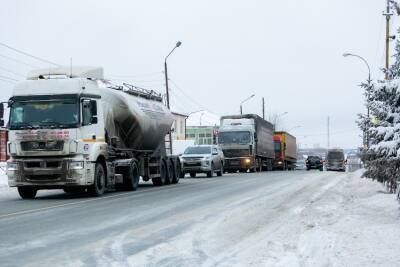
[[26, 192], [221, 170], [99, 183], [193, 174], [211, 172], [159, 181], [131, 182], [177, 173], [170, 175]]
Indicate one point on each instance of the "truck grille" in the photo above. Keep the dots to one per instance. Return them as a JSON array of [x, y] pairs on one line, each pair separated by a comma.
[[42, 164], [41, 145], [233, 153]]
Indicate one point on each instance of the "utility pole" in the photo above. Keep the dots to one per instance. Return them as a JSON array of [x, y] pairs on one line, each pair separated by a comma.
[[387, 14], [328, 136], [263, 108]]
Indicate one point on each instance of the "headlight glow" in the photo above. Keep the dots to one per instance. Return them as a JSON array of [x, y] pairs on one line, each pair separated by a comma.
[[247, 160]]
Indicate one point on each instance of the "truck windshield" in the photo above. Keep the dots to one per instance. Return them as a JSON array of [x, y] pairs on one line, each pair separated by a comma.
[[44, 114], [198, 150], [335, 156], [234, 137], [277, 146]]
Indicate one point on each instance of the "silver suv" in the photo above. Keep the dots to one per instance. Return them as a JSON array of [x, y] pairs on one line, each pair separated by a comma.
[[203, 159]]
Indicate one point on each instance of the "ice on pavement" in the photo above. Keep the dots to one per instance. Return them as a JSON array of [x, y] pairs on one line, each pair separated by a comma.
[[341, 220], [3, 176]]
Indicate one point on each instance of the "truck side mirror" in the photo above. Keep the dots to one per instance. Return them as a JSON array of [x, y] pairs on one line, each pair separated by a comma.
[[255, 136], [93, 120]]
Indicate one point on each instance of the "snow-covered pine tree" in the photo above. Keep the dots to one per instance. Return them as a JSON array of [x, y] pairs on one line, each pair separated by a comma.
[[383, 155]]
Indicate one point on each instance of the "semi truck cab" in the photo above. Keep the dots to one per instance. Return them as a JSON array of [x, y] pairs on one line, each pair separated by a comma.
[[238, 145], [56, 133]]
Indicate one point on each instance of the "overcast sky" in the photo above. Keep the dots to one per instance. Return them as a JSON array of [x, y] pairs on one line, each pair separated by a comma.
[[287, 51]]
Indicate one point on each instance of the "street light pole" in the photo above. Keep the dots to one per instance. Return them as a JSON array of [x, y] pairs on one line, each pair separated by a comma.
[[178, 44], [368, 96], [241, 103]]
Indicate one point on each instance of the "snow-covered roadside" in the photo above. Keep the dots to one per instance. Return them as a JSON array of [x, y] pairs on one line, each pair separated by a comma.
[[331, 220], [3, 176], [350, 222]]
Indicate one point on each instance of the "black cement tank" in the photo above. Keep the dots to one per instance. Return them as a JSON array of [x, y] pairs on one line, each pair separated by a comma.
[[138, 122]]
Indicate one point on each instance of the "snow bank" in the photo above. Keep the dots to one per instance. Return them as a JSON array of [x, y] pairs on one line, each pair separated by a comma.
[[3, 176], [324, 220]]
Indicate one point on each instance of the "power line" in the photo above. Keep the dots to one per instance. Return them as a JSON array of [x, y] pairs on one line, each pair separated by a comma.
[[135, 76], [29, 55], [190, 98], [324, 134], [7, 81], [12, 72], [19, 61], [8, 78]]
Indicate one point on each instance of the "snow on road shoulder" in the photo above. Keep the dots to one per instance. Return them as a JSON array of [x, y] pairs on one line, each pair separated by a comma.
[[329, 219], [3, 176], [352, 222]]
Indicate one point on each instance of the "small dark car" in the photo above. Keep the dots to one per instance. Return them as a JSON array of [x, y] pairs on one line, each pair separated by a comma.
[[314, 162]]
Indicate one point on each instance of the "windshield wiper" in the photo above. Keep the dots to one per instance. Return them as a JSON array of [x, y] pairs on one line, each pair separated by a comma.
[[54, 124], [24, 125]]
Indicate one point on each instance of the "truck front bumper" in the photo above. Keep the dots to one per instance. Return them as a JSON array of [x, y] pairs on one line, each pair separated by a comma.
[[49, 172], [234, 164], [196, 166]]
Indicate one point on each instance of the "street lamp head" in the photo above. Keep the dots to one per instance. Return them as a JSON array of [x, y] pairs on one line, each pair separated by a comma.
[[178, 44], [346, 54], [253, 95]]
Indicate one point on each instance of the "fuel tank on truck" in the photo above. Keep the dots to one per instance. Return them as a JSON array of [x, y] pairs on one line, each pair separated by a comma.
[[139, 120]]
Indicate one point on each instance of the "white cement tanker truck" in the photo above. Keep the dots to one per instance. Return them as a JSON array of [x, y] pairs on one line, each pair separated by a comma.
[[69, 129]]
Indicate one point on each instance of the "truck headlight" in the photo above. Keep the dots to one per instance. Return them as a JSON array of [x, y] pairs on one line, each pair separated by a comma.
[[247, 161], [12, 166], [76, 165]]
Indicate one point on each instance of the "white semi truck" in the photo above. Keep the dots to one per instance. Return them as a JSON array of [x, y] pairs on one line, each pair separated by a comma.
[[70, 129]]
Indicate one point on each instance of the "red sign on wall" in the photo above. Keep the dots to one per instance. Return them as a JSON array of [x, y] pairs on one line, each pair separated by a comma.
[[3, 145]]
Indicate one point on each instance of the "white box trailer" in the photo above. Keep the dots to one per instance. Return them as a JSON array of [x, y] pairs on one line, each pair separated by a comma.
[[71, 130]]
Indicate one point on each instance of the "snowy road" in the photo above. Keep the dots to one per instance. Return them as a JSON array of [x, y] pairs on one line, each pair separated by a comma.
[[262, 219]]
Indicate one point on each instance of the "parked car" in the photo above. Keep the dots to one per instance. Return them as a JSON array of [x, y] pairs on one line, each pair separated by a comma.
[[314, 162], [203, 159], [335, 160], [300, 164]]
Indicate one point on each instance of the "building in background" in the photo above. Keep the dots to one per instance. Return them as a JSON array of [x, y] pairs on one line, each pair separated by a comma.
[[202, 135], [179, 126], [202, 127]]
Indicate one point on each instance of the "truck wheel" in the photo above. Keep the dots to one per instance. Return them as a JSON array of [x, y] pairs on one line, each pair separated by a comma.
[[170, 175], [177, 174], [27, 192], [211, 173], [221, 171], [163, 175], [193, 174], [99, 184], [131, 182]]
